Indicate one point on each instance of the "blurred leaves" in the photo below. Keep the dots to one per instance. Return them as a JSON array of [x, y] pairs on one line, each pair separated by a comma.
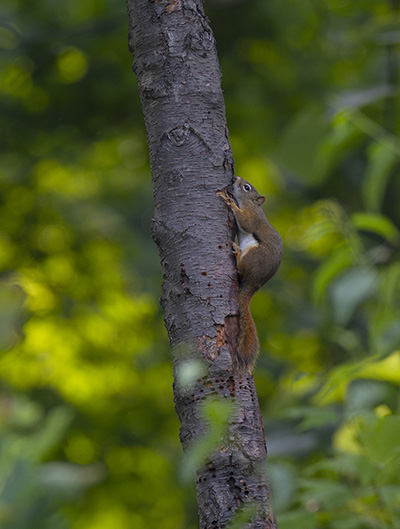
[[301, 147], [382, 160], [377, 224], [350, 290], [31, 492], [361, 482], [216, 415], [311, 91]]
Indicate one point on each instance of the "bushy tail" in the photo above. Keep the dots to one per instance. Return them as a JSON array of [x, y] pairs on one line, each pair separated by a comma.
[[248, 344]]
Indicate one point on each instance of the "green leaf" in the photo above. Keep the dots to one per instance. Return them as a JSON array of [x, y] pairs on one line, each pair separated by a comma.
[[317, 417], [381, 161], [299, 520], [387, 369], [380, 439], [243, 516], [341, 464], [331, 494], [216, 414], [391, 494], [390, 282], [347, 520], [300, 145], [376, 223], [311, 147], [336, 383], [283, 483], [350, 290], [340, 260], [50, 434]]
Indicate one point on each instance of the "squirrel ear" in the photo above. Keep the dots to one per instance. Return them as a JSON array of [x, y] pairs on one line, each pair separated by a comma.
[[260, 200]]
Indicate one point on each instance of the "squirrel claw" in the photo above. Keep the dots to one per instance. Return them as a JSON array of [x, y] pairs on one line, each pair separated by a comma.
[[236, 249], [225, 197]]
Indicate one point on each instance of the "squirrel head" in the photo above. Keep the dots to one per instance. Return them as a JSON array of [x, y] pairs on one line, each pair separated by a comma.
[[246, 195]]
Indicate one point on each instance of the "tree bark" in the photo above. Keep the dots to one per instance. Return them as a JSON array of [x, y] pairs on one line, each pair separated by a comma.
[[179, 81]]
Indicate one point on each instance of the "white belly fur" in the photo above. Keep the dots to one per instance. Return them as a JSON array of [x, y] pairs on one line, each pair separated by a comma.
[[246, 242]]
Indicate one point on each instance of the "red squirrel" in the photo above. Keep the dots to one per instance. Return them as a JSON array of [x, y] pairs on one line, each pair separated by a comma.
[[258, 256]]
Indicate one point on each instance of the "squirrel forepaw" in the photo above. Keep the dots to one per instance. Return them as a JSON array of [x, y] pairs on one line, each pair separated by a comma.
[[225, 197], [236, 250]]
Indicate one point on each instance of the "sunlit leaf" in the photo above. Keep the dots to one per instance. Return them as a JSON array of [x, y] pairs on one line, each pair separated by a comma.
[[72, 65], [386, 369], [345, 437], [379, 438]]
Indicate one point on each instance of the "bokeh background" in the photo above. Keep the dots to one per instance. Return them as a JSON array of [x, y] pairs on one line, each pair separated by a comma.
[[88, 432]]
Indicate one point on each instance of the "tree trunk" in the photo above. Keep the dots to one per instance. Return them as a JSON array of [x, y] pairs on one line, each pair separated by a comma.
[[179, 80]]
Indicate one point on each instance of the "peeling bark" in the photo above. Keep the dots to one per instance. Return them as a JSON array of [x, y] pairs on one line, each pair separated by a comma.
[[179, 80]]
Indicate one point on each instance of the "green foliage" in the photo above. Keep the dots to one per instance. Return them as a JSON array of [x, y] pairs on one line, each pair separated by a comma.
[[89, 436], [215, 414], [31, 492]]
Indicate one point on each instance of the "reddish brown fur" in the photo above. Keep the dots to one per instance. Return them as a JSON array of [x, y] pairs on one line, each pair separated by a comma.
[[257, 261], [248, 343]]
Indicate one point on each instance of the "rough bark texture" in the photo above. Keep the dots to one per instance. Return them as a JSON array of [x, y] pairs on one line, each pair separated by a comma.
[[179, 80]]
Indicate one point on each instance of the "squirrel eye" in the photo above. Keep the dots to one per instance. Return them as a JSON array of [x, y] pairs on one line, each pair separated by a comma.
[[246, 187]]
